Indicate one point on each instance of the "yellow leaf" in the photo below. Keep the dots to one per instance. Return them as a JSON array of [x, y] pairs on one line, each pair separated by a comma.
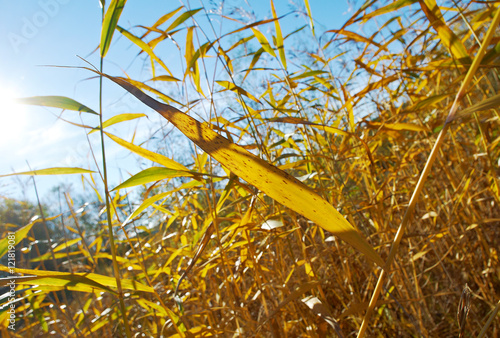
[[86, 282], [448, 38], [276, 183], [263, 42], [160, 159], [153, 174], [109, 24], [396, 126], [279, 37], [117, 119], [53, 171]]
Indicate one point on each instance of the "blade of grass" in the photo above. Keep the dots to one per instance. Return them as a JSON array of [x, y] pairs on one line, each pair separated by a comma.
[[52, 171], [109, 24], [426, 171], [56, 102], [57, 278], [279, 37], [448, 38], [18, 236], [151, 175], [147, 154], [276, 183], [117, 119]]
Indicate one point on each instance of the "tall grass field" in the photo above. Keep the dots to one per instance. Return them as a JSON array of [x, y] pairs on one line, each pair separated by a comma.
[[333, 182]]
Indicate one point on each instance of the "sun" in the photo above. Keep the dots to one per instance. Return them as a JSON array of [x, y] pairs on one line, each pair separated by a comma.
[[13, 118]]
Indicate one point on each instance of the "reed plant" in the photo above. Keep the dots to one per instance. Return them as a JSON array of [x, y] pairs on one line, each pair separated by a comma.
[[338, 183]]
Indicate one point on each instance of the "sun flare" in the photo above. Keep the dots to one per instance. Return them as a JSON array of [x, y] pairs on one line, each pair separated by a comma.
[[12, 117]]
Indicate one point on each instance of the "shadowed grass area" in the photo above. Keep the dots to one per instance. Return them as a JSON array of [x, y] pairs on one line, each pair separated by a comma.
[[311, 147]]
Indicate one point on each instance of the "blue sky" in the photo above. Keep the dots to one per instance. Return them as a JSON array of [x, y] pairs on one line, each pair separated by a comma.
[[54, 32]]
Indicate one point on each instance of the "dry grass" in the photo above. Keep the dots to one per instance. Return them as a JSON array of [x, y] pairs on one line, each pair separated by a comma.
[[354, 117]]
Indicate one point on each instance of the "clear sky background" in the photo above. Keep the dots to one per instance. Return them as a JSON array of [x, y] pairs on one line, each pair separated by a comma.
[[54, 32]]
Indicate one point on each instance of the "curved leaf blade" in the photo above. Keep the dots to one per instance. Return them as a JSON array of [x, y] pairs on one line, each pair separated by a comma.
[[19, 235], [109, 24], [263, 41], [86, 282], [152, 174], [276, 183], [117, 119], [147, 154], [53, 171], [56, 102]]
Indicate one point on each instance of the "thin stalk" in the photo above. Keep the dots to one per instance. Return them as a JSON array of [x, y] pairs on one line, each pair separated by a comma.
[[489, 321], [426, 171], [116, 271]]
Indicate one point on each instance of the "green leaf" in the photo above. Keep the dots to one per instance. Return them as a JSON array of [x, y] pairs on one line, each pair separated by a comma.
[[109, 24], [427, 102], [56, 102], [53, 171], [152, 175], [117, 119]]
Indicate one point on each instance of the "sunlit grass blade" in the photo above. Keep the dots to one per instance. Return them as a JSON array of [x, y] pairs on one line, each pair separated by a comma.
[[18, 236], [279, 37], [490, 103], [109, 24], [295, 120], [183, 17], [448, 38], [145, 47], [117, 119], [378, 84], [263, 41], [230, 86], [396, 126], [164, 78], [309, 14], [426, 171], [86, 282], [162, 20], [276, 183], [355, 37], [151, 175], [146, 204], [56, 102], [161, 95], [147, 154], [393, 6], [53, 171]]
